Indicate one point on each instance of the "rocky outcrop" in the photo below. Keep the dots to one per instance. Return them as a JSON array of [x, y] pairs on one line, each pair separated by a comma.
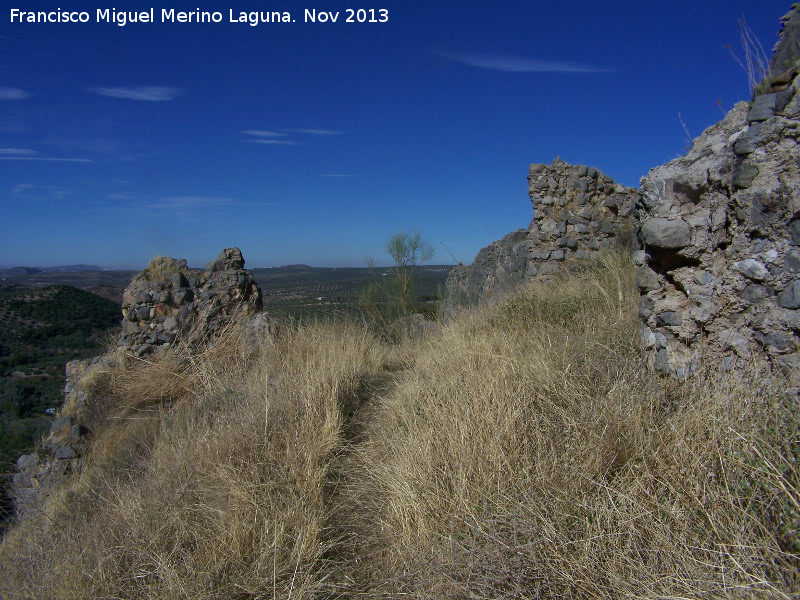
[[167, 301], [783, 65], [40, 473], [719, 236], [577, 211]]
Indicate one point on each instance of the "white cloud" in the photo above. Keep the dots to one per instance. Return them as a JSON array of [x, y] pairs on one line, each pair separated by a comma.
[[276, 142], [45, 159], [7, 93], [145, 93], [181, 203], [518, 64], [262, 133], [18, 151], [317, 131], [30, 191]]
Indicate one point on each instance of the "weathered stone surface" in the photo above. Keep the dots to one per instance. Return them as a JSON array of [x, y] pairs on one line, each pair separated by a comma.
[[26, 461], [763, 107], [160, 307], [666, 233], [733, 264], [647, 279], [752, 269], [576, 211], [747, 140], [790, 297], [783, 64], [65, 452], [744, 175]]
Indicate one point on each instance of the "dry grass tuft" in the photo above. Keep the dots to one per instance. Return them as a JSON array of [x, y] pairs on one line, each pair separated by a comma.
[[521, 452], [162, 268]]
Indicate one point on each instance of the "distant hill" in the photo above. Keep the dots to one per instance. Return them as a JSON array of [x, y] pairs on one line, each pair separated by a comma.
[[22, 271]]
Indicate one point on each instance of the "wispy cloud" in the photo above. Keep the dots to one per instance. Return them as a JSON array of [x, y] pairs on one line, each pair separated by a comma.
[[184, 203], [30, 191], [275, 142], [144, 93], [18, 151], [262, 134], [9, 93], [46, 159], [519, 64], [316, 131]]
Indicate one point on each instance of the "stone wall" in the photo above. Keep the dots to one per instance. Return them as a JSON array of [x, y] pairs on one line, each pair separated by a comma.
[[40, 473], [719, 235], [167, 300], [577, 211]]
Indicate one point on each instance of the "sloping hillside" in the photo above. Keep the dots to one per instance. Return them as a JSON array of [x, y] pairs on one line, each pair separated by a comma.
[[521, 451]]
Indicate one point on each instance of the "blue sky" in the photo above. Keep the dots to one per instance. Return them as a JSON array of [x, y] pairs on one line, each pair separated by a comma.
[[313, 142]]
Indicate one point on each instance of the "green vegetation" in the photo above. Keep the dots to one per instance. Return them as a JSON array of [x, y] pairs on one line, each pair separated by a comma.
[[41, 330], [392, 295], [301, 292], [521, 451]]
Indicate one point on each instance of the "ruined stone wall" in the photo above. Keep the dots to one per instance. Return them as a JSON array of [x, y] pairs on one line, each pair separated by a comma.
[[719, 240], [577, 211], [164, 303], [167, 300]]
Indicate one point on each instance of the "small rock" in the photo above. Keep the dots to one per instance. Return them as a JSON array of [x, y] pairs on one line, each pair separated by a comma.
[[792, 261], [672, 318], [744, 175], [762, 109], [779, 341], [746, 143], [790, 297], [754, 294], [752, 269], [65, 452], [647, 279], [60, 424], [703, 277], [26, 461]]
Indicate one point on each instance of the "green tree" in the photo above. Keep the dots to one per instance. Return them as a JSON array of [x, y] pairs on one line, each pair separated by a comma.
[[391, 296]]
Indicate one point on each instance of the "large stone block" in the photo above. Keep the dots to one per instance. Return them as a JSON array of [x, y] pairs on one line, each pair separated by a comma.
[[666, 233]]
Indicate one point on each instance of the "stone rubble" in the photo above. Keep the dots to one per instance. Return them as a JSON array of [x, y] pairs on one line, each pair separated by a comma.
[[716, 234], [158, 311], [718, 230], [577, 211], [165, 303]]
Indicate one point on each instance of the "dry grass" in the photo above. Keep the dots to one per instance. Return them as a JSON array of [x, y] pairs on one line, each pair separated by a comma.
[[521, 452], [529, 455], [207, 479], [162, 268]]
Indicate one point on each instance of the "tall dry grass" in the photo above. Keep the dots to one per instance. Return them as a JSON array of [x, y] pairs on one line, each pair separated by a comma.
[[529, 455], [207, 479], [522, 451]]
